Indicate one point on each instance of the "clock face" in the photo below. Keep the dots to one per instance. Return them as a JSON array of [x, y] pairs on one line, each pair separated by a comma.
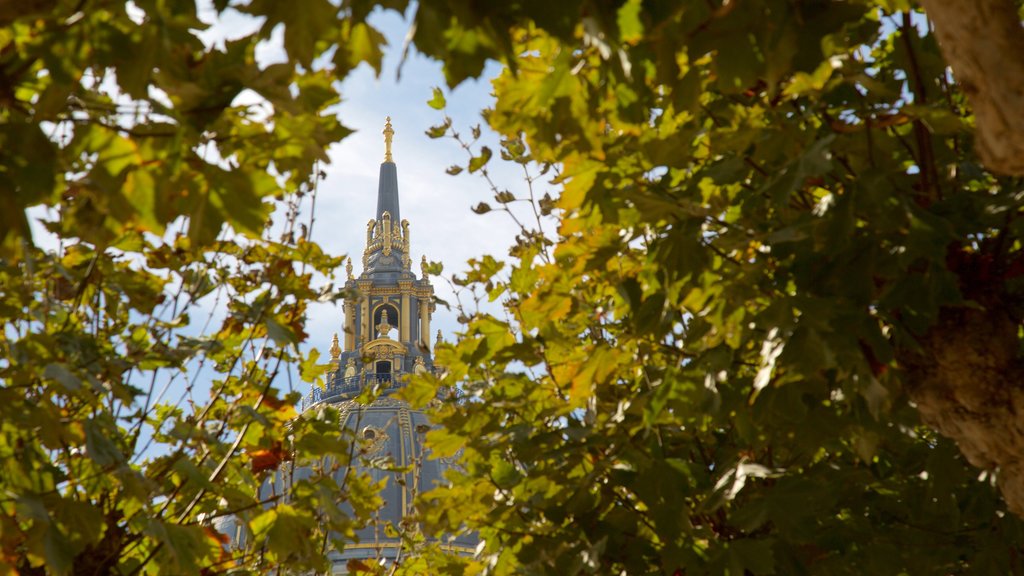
[[387, 260]]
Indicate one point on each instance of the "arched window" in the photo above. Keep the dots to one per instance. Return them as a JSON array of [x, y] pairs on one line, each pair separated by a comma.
[[382, 313]]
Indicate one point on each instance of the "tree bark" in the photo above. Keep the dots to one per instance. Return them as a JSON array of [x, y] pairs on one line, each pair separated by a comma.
[[967, 381], [983, 41]]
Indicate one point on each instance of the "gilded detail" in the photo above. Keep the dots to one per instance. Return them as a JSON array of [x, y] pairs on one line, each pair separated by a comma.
[[389, 134], [385, 221], [373, 439], [383, 349], [334, 364], [335, 348]]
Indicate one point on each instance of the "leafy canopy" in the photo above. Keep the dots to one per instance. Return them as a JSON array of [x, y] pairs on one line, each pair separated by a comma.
[[148, 350], [774, 242], [770, 222]]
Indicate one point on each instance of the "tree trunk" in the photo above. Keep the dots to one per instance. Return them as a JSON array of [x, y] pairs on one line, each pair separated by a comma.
[[983, 41], [967, 380]]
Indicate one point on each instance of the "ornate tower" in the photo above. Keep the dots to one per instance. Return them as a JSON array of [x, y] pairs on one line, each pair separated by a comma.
[[386, 336], [387, 326]]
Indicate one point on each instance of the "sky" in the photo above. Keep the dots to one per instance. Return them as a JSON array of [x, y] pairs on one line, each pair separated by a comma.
[[436, 204]]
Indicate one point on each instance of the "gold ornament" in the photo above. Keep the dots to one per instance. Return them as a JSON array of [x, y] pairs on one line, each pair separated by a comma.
[[335, 348], [389, 133]]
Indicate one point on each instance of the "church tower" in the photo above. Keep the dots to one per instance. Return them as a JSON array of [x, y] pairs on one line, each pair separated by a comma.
[[386, 337]]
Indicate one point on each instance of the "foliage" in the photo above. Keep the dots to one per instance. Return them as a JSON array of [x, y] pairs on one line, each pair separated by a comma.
[[149, 342], [769, 212]]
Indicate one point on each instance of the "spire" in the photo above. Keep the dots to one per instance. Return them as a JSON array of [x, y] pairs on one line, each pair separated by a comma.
[[387, 190], [387, 235]]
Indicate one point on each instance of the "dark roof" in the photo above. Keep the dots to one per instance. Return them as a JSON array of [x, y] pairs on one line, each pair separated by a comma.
[[387, 192]]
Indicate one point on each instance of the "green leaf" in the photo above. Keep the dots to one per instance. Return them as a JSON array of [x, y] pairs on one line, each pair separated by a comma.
[[444, 444], [99, 446], [418, 391], [58, 551], [364, 45], [628, 19], [505, 474], [141, 191], [183, 548], [437, 131], [281, 334], [82, 522], [437, 102], [284, 529], [63, 376], [303, 29], [814, 161], [478, 162]]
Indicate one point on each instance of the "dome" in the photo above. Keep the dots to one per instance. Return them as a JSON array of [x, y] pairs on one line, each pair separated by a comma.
[[388, 430]]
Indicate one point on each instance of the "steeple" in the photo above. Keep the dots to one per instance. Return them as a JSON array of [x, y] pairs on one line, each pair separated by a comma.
[[388, 309], [387, 189], [386, 257]]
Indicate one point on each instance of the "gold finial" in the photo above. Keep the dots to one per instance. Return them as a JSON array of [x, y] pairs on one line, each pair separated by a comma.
[[348, 268], [389, 133], [423, 266], [384, 328], [335, 348]]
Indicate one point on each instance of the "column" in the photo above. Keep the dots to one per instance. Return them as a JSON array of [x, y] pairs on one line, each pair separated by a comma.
[[403, 333], [364, 318], [425, 323], [350, 325]]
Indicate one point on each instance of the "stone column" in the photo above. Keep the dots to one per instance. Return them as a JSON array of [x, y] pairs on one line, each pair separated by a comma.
[[350, 326], [364, 318], [403, 331], [425, 323]]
